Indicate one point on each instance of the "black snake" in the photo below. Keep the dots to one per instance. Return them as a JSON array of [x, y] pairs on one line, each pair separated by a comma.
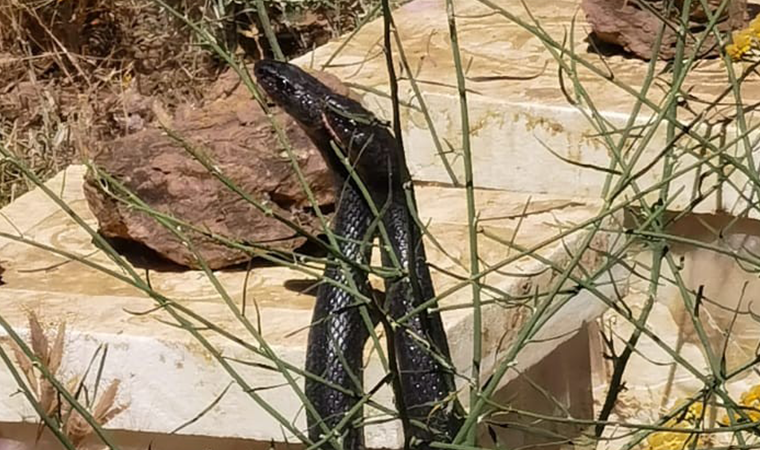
[[355, 146]]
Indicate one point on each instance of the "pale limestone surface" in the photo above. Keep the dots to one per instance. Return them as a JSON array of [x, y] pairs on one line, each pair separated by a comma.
[[655, 382], [168, 378], [514, 118]]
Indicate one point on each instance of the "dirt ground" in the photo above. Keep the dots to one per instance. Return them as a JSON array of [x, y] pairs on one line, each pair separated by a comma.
[[66, 67]]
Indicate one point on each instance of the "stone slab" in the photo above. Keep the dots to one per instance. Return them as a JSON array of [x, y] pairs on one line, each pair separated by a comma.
[[516, 107], [655, 381], [168, 377]]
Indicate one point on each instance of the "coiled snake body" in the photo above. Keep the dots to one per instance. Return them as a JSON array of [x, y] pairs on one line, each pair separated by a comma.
[[348, 136]]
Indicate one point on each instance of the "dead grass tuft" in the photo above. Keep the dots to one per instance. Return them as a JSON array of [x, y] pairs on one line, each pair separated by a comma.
[[66, 67], [74, 425]]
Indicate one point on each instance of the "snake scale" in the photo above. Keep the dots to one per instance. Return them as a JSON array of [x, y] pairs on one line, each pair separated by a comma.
[[356, 145]]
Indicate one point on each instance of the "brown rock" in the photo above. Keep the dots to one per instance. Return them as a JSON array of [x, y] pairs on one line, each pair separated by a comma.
[[635, 24], [237, 136]]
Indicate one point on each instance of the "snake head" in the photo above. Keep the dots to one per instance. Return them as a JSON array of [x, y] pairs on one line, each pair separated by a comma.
[[301, 95], [325, 115]]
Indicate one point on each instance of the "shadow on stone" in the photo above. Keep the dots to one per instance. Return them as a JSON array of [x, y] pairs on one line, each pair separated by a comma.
[[561, 381], [597, 46], [143, 257]]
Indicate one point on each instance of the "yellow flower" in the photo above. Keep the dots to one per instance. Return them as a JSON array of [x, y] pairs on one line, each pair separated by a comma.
[[668, 440], [742, 42], [733, 52], [752, 396], [754, 26], [743, 39], [694, 414], [750, 402]]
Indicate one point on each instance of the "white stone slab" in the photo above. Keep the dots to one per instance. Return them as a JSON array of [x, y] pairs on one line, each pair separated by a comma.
[[514, 119], [655, 383], [168, 377]]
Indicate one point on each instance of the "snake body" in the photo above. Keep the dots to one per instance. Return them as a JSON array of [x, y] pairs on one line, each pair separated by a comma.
[[355, 145]]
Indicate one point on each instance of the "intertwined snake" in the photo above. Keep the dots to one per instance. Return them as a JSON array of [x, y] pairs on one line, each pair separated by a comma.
[[369, 170]]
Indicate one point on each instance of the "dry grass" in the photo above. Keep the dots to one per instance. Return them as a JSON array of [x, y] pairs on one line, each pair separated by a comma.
[[74, 426], [74, 73], [64, 69]]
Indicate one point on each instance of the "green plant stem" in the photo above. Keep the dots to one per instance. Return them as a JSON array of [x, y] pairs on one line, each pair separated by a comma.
[[477, 331]]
